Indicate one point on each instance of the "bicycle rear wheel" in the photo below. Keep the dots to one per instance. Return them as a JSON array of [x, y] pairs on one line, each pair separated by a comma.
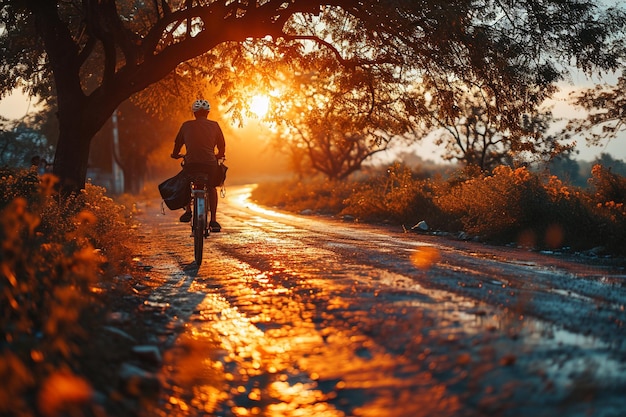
[[199, 226]]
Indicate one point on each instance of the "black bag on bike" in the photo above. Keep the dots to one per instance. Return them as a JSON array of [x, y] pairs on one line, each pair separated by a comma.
[[220, 175], [175, 191]]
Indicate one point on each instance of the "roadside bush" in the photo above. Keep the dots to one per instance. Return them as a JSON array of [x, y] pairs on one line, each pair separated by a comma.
[[508, 205], [52, 261], [607, 186], [319, 195], [24, 184], [607, 199], [498, 206], [396, 197], [568, 219], [592, 217], [382, 197]]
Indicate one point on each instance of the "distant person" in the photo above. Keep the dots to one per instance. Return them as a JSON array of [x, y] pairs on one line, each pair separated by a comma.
[[205, 146]]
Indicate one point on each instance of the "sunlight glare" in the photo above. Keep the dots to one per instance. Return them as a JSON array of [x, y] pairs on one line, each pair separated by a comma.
[[259, 105]]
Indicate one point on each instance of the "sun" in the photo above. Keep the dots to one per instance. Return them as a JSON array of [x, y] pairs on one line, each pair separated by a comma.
[[259, 105]]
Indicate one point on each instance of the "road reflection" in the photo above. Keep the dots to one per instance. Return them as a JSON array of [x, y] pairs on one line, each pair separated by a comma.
[[285, 356], [281, 322]]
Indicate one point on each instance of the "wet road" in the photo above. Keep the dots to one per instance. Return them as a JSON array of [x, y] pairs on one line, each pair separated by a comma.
[[301, 316]]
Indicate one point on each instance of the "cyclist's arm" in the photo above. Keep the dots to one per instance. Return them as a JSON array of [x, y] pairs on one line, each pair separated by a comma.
[[178, 144], [221, 144]]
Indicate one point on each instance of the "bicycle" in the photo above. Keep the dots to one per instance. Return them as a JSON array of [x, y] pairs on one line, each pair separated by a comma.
[[199, 225]]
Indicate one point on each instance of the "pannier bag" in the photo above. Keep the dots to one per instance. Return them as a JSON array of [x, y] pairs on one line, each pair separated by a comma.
[[220, 175], [175, 191]]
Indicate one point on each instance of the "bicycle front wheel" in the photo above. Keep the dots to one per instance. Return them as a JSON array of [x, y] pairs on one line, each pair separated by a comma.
[[199, 226]]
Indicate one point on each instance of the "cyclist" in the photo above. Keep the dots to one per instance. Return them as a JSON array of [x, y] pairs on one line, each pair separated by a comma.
[[201, 137]]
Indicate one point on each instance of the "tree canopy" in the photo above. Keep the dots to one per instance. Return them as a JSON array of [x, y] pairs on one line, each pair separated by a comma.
[[476, 132], [606, 111], [90, 56], [331, 121]]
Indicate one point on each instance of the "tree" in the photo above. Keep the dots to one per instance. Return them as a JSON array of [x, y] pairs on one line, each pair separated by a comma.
[[93, 55], [334, 121], [567, 169], [615, 166], [332, 143], [21, 140], [476, 132], [606, 107]]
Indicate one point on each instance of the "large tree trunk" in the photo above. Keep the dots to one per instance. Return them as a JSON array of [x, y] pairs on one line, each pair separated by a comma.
[[71, 159], [79, 120], [72, 152]]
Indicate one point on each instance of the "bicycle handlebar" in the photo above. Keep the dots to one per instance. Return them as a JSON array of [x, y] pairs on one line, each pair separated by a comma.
[[182, 156]]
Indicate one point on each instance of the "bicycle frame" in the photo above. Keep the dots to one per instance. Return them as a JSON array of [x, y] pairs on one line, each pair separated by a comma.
[[199, 223]]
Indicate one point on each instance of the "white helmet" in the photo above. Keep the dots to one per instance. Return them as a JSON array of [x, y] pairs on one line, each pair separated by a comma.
[[200, 105]]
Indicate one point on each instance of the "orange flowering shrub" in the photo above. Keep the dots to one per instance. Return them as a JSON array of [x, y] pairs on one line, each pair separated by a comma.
[[607, 198], [382, 197], [51, 257], [397, 197], [607, 186], [508, 205], [496, 206], [570, 214]]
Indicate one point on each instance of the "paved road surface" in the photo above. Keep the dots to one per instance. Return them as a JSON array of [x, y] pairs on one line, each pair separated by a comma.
[[303, 316]]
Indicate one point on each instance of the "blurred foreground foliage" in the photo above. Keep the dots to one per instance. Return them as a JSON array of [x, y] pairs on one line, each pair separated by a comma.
[[56, 256], [535, 210]]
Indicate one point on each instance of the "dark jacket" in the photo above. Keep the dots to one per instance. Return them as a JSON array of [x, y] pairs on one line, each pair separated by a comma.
[[201, 137]]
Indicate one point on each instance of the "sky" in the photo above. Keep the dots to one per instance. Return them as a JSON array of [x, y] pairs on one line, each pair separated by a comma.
[[16, 106]]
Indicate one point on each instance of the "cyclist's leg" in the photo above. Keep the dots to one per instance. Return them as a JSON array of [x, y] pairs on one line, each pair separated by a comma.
[[212, 192], [212, 202], [213, 224], [186, 216]]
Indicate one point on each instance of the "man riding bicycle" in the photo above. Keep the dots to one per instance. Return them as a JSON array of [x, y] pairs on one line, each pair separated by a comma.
[[201, 137]]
